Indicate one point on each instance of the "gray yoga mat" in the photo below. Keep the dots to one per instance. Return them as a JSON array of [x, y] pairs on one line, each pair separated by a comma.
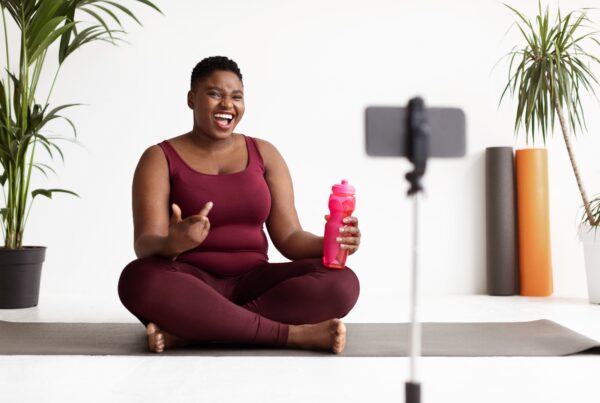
[[501, 221], [536, 338]]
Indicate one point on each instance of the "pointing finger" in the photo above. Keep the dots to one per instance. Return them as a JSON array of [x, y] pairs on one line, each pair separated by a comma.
[[206, 209]]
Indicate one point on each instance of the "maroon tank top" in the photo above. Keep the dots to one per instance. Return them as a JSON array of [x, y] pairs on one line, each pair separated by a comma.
[[236, 242]]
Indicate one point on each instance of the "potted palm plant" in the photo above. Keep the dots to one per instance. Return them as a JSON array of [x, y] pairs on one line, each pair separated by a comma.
[[548, 75], [24, 115]]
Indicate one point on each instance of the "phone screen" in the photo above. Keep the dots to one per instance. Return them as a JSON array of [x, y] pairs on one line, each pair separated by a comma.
[[386, 131]]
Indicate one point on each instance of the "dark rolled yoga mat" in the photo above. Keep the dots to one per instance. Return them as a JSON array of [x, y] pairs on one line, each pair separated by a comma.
[[501, 222]]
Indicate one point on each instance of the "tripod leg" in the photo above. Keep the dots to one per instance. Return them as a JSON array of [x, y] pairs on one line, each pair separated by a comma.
[[413, 388], [412, 391]]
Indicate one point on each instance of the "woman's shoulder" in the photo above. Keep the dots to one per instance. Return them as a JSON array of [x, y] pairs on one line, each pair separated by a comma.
[[156, 151], [154, 155], [177, 141], [265, 147], [271, 156], [152, 158]]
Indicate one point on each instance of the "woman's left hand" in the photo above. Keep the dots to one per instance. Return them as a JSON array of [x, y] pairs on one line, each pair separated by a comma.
[[349, 237]]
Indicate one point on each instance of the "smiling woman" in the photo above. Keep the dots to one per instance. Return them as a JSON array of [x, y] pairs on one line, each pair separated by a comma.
[[200, 201], [216, 97]]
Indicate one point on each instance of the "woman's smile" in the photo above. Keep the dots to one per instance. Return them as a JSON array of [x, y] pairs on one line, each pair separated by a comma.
[[224, 120]]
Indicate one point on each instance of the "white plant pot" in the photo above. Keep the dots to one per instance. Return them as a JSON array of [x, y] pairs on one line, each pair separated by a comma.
[[590, 238]]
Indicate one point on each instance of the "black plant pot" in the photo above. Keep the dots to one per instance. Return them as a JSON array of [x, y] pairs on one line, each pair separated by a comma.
[[20, 273]]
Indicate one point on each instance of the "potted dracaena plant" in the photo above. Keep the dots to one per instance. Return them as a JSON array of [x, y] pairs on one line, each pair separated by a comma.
[[24, 116], [548, 75]]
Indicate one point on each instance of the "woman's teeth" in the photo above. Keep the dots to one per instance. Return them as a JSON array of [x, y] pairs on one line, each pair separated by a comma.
[[224, 117]]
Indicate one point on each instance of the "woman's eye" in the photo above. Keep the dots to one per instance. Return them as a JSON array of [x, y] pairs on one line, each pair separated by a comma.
[[238, 98]]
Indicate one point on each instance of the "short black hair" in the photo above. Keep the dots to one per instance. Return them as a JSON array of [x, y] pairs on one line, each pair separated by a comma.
[[211, 64]]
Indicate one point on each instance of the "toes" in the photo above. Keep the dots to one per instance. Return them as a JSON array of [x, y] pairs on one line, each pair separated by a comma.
[[158, 347], [155, 338], [339, 346], [151, 328], [336, 347], [339, 336], [338, 327]]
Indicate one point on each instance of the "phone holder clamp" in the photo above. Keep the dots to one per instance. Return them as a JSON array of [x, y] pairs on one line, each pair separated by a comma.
[[418, 143]]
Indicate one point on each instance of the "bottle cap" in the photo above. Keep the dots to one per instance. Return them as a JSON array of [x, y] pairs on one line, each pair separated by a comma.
[[344, 187]]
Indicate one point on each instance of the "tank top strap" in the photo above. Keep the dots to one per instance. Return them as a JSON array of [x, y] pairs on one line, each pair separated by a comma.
[[173, 160], [254, 153]]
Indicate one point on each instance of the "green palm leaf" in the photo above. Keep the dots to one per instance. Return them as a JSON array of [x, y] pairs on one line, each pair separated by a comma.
[[48, 192], [43, 23], [552, 69]]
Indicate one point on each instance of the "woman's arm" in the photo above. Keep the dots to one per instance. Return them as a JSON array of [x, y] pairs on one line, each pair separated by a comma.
[[150, 202], [283, 224]]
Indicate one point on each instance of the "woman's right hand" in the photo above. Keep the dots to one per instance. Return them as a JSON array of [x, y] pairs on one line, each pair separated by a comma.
[[190, 232]]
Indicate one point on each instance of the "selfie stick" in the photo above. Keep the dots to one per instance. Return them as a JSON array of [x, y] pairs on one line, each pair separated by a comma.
[[418, 147]]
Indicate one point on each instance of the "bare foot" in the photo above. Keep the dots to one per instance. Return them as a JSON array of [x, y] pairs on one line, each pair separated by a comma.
[[327, 335], [158, 339]]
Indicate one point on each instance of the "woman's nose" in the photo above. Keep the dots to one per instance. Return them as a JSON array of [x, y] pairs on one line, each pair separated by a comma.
[[226, 102]]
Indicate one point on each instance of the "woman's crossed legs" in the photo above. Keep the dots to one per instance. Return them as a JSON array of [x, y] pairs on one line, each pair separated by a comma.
[[294, 304]]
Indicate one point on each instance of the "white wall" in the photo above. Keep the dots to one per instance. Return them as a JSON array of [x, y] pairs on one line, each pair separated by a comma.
[[310, 68]]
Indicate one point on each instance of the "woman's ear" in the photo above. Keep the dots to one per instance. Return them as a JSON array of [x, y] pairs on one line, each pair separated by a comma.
[[190, 99]]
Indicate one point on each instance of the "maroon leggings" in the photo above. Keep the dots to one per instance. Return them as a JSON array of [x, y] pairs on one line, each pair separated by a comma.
[[256, 307]]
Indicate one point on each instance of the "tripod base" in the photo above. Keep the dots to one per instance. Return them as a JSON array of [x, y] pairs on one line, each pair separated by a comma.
[[412, 392]]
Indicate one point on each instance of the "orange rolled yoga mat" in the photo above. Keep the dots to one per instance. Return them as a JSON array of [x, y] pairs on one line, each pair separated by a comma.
[[535, 261]]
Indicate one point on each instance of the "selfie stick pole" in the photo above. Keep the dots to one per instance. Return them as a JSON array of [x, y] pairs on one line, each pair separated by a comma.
[[417, 154]]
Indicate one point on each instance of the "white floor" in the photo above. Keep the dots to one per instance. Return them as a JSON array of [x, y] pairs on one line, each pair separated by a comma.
[[329, 379]]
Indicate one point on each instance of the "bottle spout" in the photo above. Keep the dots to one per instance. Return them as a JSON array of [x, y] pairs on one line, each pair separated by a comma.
[[343, 187]]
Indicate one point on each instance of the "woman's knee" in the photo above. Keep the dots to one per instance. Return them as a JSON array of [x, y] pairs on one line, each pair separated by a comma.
[[339, 291], [346, 289], [137, 277]]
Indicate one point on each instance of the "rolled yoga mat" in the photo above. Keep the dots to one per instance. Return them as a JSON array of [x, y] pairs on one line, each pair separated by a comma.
[[536, 338], [535, 262], [501, 225]]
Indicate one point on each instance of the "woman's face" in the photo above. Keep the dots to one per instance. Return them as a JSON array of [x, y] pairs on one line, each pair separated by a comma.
[[218, 104]]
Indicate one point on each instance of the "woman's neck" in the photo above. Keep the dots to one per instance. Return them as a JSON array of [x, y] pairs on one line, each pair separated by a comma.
[[210, 144]]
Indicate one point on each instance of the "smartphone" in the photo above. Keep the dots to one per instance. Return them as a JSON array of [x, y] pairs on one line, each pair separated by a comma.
[[387, 131]]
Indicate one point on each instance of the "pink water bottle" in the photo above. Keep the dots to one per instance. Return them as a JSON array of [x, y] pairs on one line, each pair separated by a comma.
[[341, 205]]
